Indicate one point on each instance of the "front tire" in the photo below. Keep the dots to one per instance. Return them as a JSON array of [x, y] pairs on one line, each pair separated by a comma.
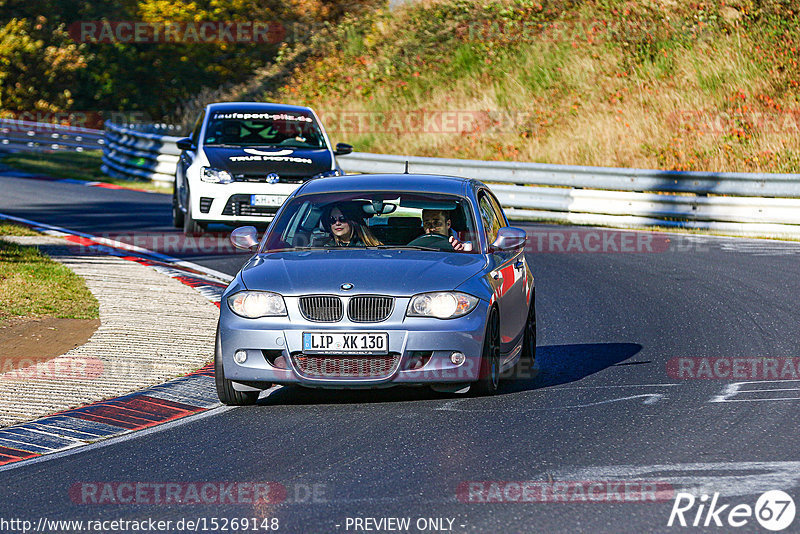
[[190, 226], [177, 214], [489, 375], [227, 395]]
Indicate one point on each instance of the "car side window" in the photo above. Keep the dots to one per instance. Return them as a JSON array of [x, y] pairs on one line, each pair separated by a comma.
[[197, 126], [491, 222]]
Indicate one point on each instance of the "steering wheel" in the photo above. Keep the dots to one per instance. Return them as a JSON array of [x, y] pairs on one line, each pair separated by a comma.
[[433, 241]]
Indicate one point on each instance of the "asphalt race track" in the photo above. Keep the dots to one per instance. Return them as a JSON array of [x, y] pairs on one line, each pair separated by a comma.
[[606, 403]]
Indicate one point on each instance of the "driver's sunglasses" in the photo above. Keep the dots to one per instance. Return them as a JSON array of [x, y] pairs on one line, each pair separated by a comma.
[[341, 218]]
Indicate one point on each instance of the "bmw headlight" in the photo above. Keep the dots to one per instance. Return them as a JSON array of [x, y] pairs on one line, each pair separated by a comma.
[[253, 304], [215, 176], [442, 305]]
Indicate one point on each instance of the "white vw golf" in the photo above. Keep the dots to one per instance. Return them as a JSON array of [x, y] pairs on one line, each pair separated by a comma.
[[243, 159]]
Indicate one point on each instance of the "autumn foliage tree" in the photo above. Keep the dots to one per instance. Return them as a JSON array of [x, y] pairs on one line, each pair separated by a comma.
[[43, 66]]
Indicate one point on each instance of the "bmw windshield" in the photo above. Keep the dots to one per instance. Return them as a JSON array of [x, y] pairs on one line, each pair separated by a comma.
[[379, 219]]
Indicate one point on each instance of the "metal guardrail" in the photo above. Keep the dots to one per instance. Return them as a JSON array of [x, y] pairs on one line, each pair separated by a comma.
[[38, 136], [609, 178], [133, 153], [738, 203], [759, 205]]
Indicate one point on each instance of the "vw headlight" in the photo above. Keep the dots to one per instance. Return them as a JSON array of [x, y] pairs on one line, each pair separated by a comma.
[[442, 305], [215, 176], [253, 304]]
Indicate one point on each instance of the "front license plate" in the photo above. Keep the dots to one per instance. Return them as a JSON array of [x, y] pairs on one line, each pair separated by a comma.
[[266, 200], [368, 343]]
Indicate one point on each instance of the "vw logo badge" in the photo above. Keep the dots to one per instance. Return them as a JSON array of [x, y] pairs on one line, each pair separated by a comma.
[[273, 178], [347, 287]]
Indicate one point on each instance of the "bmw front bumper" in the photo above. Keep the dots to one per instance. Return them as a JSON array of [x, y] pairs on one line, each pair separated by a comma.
[[423, 347]]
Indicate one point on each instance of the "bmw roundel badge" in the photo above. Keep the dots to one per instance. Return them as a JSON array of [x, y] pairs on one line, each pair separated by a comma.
[[273, 178], [347, 287]]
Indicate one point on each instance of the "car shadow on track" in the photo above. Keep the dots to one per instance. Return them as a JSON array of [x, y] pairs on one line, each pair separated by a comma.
[[561, 364], [301, 396], [555, 365]]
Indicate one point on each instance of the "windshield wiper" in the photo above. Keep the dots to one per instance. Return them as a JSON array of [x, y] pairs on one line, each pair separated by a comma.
[[293, 249], [408, 247]]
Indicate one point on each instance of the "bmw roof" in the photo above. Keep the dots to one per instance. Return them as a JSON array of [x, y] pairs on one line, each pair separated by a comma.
[[426, 183]]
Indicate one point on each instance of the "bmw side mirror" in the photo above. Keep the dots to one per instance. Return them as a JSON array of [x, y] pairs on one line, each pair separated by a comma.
[[343, 149], [508, 238], [185, 144], [245, 237]]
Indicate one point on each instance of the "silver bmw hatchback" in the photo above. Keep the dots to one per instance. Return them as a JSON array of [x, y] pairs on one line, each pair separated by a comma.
[[372, 281]]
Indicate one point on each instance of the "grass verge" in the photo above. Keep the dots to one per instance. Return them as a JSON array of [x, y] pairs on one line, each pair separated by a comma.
[[75, 166], [33, 285]]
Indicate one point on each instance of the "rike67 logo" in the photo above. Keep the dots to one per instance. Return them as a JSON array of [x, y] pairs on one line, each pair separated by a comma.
[[774, 510]]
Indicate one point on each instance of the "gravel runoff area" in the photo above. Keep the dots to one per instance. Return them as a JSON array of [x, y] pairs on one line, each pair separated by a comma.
[[152, 328]]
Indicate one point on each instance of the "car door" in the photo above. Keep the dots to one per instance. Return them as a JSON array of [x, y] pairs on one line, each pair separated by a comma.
[[506, 273], [513, 282]]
